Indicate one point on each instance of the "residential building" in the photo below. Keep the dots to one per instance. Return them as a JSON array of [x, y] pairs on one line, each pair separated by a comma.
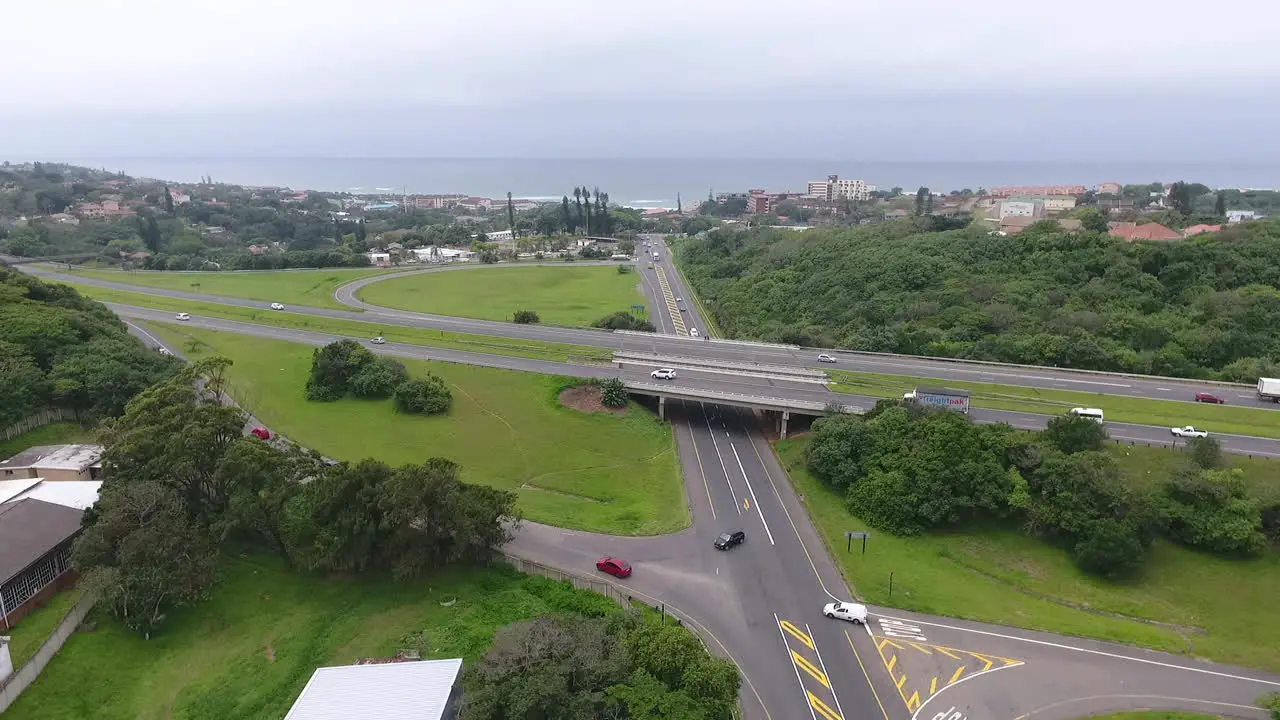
[[1199, 229], [104, 209], [1014, 224], [379, 259], [435, 254], [179, 197], [1147, 231], [1235, 216], [896, 214], [502, 237], [1110, 205], [1036, 190], [35, 554], [432, 202], [400, 689], [724, 197], [1022, 207], [63, 218], [833, 188], [54, 462], [761, 202], [1110, 188], [76, 494], [474, 203], [1058, 203]]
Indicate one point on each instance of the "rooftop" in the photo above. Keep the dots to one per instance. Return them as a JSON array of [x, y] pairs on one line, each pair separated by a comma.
[[29, 529], [54, 457], [77, 494], [391, 691]]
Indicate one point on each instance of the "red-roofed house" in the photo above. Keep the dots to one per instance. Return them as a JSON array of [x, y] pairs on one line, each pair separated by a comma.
[[1148, 231], [1197, 229]]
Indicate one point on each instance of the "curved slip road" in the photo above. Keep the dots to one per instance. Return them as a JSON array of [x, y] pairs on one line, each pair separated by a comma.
[[760, 603]]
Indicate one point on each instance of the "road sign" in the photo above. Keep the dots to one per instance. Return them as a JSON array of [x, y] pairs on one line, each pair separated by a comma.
[[850, 536], [637, 307]]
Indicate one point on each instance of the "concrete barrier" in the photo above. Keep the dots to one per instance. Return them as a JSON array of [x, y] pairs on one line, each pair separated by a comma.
[[12, 686]]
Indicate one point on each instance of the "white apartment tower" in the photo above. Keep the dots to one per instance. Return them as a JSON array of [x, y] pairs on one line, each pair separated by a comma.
[[833, 188]]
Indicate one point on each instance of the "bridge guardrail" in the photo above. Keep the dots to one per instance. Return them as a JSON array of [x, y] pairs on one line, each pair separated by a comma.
[[659, 359], [677, 391], [714, 341]]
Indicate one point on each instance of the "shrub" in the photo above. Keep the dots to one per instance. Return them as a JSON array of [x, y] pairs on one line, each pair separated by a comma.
[[332, 368], [424, 396], [623, 320], [379, 379], [526, 317], [1205, 452], [1073, 434], [1211, 510], [613, 393]]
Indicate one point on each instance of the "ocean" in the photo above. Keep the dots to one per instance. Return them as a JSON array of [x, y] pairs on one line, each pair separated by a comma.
[[656, 182]]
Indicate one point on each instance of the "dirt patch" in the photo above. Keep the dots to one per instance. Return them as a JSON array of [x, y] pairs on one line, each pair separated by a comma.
[[586, 398], [270, 652]]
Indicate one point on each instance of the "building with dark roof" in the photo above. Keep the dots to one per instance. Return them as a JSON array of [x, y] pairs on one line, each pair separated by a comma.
[[35, 554]]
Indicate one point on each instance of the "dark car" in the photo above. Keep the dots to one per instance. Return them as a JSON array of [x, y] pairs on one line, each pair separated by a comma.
[[1209, 398], [616, 567], [727, 540]]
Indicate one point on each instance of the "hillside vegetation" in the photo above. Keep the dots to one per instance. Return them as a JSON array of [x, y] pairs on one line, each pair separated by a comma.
[[1205, 307]]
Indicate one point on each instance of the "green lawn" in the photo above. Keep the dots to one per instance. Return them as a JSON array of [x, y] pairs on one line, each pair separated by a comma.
[[358, 329], [1156, 715], [52, 434], [1142, 411], [998, 575], [601, 472], [248, 651], [297, 287], [568, 295], [30, 633]]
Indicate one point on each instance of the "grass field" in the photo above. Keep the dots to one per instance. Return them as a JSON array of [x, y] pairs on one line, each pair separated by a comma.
[[248, 651], [31, 632], [601, 472], [1142, 411], [568, 295], [1156, 715], [52, 434], [296, 287], [1212, 607], [359, 329]]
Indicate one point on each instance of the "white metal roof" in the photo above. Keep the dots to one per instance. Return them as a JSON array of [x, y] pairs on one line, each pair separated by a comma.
[[78, 494], [390, 691]]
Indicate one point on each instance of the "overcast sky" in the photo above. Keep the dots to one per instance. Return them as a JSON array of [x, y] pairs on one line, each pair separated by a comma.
[[866, 79]]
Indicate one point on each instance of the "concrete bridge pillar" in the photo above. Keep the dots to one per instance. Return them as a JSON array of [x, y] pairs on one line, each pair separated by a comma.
[[662, 407], [786, 415]]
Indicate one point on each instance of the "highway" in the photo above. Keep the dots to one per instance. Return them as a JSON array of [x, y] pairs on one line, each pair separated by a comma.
[[760, 604], [669, 341]]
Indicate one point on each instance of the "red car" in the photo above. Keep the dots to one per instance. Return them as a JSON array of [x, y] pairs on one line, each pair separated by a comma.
[[1209, 398], [616, 567], [261, 433]]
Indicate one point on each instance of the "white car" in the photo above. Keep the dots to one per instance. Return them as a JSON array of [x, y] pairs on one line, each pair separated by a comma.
[[164, 351], [379, 340], [1188, 432], [277, 306], [183, 316], [826, 358], [679, 299], [853, 612], [693, 332], [663, 374]]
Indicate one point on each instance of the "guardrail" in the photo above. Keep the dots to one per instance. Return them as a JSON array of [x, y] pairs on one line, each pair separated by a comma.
[[716, 341], [741, 398], [662, 360]]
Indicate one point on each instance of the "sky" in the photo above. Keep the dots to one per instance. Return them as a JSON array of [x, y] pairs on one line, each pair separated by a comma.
[[870, 79]]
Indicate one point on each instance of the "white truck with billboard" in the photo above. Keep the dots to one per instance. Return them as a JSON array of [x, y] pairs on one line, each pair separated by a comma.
[[1269, 389], [944, 398]]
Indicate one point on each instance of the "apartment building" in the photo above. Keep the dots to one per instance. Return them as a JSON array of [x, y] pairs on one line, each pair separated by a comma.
[[1109, 188], [833, 188], [1035, 190], [1022, 208]]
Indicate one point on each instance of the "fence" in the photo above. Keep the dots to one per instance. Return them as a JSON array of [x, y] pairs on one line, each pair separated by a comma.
[[12, 686], [32, 422]]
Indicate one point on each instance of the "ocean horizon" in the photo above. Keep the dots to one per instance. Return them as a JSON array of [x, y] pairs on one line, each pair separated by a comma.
[[657, 182]]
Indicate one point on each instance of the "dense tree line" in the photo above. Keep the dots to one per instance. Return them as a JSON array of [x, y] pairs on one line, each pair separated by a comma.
[[61, 350], [182, 483], [909, 470], [1202, 307], [621, 666]]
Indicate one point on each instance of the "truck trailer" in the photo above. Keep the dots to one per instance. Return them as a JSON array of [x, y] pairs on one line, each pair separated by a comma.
[[1269, 389], [945, 398]]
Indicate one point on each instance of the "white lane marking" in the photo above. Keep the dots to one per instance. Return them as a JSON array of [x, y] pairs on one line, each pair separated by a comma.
[[1090, 651], [1215, 703], [835, 697], [1164, 389], [720, 457], [753, 493], [778, 623], [144, 332], [916, 714]]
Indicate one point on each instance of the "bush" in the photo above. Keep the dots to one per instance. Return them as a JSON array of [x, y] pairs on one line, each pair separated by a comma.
[[623, 321], [379, 379], [1205, 452], [424, 396], [1211, 510], [1271, 521], [1073, 434], [332, 368], [526, 317], [1111, 548], [1271, 703], [613, 393]]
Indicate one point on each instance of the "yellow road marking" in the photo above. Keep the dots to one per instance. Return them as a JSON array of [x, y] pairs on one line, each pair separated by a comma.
[[866, 674], [933, 686], [746, 504], [946, 652], [913, 702], [921, 649], [886, 641], [810, 668], [982, 659], [823, 709], [893, 660], [797, 633], [902, 681], [956, 676]]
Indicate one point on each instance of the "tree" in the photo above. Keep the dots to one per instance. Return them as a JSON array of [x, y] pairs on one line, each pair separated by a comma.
[[262, 479], [337, 232], [1211, 510], [24, 390], [1205, 452], [378, 378], [1220, 205], [921, 194], [525, 317], [1074, 433], [140, 551], [1093, 220], [679, 205], [168, 200], [567, 216], [1180, 198], [511, 215], [613, 393], [424, 396], [840, 447], [336, 523], [577, 200], [362, 232], [333, 367], [586, 206]]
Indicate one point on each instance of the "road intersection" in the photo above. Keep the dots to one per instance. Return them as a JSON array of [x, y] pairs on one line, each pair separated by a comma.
[[760, 604]]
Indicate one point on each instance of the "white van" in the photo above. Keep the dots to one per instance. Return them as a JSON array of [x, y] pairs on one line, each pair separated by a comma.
[[1093, 414]]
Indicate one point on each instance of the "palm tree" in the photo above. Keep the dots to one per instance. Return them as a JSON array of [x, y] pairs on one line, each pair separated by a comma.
[[577, 200], [606, 222], [586, 205]]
